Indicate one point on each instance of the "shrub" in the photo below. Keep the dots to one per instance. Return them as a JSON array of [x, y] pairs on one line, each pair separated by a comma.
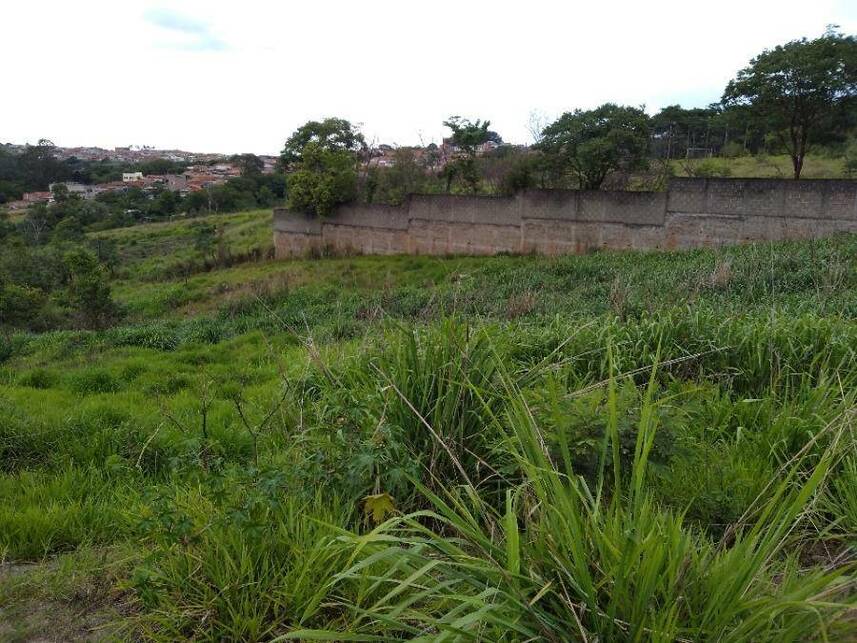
[[93, 380], [324, 179], [88, 291], [39, 378], [255, 560]]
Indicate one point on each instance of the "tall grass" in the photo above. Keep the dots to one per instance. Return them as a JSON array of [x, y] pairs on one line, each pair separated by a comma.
[[544, 497], [567, 560], [437, 382], [244, 564]]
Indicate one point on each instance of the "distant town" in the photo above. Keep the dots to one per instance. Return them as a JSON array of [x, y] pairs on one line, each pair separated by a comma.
[[204, 170]]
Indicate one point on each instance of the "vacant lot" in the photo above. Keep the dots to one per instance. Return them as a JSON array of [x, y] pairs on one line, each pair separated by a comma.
[[628, 446]]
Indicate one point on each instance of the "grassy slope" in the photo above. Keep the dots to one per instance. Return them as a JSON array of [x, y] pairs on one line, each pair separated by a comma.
[[101, 442]]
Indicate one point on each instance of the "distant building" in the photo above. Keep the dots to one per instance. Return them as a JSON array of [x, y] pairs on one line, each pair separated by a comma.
[[36, 197], [128, 177], [87, 192]]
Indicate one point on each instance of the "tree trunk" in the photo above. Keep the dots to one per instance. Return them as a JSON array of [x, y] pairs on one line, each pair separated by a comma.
[[797, 163]]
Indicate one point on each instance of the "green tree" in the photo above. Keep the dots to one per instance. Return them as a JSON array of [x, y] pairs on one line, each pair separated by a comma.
[[60, 192], [265, 197], [165, 204], [39, 167], [592, 144], [249, 164], [799, 91], [205, 240], [106, 251], [87, 289], [68, 229], [324, 178], [20, 305], [393, 184], [676, 130], [159, 166], [331, 134], [467, 136], [38, 221]]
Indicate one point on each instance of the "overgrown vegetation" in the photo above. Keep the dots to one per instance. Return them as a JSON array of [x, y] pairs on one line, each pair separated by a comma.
[[197, 442], [621, 446]]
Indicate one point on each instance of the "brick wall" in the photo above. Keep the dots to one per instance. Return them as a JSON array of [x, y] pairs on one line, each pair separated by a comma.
[[691, 213]]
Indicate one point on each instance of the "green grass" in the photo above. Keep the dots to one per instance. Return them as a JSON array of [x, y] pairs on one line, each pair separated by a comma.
[[621, 446], [777, 166]]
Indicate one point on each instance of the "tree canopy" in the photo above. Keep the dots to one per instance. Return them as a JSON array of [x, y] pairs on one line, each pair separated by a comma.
[[591, 144], [798, 91], [324, 178], [249, 164], [467, 136], [329, 134]]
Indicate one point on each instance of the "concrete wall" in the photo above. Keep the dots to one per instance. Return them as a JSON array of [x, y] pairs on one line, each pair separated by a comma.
[[691, 213]]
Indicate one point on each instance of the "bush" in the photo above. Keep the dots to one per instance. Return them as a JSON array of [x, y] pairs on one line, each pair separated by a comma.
[[94, 380], [88, 291], [323, 180], [256, 558], [851, 158], [20, 305], [38, 378], [712, 168]]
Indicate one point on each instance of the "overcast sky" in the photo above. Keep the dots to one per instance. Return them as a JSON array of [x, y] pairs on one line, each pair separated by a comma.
[[240, 76]]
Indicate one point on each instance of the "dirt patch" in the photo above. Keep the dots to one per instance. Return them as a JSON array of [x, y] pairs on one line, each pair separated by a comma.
[[36, 607]]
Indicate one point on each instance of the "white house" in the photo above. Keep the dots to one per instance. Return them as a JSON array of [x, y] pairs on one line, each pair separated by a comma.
[[127, 177]]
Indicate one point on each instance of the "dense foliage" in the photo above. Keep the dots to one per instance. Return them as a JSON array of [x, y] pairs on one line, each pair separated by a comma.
[[592, 144], [322, 179], [331, 134], [802, 92]]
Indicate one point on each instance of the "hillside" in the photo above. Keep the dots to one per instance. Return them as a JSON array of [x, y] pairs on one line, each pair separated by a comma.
[[631, 446]]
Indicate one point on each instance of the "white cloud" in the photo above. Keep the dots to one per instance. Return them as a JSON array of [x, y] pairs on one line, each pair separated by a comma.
[[194, 35], [226, 76]]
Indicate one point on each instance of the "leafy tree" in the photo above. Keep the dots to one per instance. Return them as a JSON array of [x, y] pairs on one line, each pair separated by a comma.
[[265, 197], [591, 144], [205, 240], [9, 191], [20, 305], [467, 136], [88, 292], [39, 167], [448, 173], [60, 193], [331, 134], [393, 184], [799, 91], [166, 203], [519, 173], [68, 229], [249, 164], [38, 222], [675, 130], [324, 178], [107, 252]]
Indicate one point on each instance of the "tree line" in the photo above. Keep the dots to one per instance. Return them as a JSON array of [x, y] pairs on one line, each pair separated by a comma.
[[791, 99]]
